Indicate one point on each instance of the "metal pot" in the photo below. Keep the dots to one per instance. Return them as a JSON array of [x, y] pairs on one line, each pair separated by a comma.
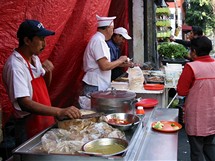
[[112, 101]]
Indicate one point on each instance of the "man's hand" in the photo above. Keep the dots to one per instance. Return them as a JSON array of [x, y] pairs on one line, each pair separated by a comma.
[[48, 66], [69, 112], [172, 38], [123, 59]]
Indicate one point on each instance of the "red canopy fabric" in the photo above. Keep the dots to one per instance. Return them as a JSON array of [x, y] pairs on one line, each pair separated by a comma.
[[121, 10], [74, 22], [186, 28]]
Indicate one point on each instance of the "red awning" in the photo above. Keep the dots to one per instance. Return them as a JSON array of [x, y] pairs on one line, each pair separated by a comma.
[[186, 28]]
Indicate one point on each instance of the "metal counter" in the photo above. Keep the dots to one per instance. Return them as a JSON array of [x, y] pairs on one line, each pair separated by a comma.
[[156, 145], [145, 143]]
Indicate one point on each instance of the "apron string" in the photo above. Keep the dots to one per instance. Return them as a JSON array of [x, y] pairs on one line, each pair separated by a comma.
[[29, 67]]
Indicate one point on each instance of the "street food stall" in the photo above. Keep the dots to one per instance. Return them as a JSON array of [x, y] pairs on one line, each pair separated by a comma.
[[158, 126], [143, 142]]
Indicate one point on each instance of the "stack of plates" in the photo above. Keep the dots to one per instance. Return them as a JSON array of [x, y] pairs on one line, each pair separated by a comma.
[[147, 103], [153, 86]]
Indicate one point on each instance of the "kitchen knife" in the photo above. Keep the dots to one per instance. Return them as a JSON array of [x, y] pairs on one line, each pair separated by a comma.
[[87, 116]]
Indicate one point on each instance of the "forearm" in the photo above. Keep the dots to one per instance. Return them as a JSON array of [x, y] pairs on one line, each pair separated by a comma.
[[183, 42], [127, 64], [31, 106], [105, 65], [114, 64]]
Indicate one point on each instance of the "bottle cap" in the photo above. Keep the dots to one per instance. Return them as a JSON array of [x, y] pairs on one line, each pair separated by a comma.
[[140, 110]]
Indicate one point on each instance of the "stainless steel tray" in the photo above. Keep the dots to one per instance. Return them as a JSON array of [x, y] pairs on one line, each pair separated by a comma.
[[143, 143], [29, 150]]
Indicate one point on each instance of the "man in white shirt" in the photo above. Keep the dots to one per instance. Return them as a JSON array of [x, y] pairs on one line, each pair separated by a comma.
[[26, 82], [97, 61]]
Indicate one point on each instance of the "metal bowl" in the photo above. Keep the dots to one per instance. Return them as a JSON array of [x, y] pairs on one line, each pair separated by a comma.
[[130, 120], [106, 146]]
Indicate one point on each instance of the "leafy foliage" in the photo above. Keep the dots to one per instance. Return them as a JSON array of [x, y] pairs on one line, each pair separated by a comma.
[[200, 13], [172, 50]]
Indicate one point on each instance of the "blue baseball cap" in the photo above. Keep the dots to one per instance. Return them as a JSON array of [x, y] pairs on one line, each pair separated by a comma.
[[33, 28]]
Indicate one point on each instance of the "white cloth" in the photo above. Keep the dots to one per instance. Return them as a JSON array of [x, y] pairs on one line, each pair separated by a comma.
[[17, 78], [96, 49]]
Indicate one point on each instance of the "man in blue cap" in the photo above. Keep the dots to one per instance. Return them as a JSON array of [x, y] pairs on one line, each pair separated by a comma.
[[23, 76]]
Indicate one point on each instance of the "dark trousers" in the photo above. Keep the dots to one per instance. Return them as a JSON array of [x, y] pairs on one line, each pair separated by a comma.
[[20, 131], [202, 148], [14, 135]]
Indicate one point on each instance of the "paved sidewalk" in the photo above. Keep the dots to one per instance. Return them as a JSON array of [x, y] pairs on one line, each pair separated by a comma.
[[183, 146]]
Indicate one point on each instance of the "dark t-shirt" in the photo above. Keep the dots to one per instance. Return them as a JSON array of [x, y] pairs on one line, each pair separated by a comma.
[[186, 44], [115, 54]]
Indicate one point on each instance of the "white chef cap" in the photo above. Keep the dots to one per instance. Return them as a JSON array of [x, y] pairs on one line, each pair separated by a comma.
[[105, 21]]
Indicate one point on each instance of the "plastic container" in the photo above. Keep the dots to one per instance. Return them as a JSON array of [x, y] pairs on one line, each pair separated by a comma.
[[140, 110], [172, 74]]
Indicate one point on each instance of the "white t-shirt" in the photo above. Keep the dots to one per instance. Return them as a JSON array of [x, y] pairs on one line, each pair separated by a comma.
[[17, 78], [96, 49]]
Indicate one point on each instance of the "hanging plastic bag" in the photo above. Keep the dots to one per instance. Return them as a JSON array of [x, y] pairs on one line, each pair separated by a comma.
[[136, 78]]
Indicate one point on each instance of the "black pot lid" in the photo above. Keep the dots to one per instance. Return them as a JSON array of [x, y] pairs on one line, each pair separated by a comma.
[[111, 94]]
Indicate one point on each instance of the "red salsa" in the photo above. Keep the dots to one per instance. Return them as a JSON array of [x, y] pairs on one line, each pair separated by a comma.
[[118, 121]]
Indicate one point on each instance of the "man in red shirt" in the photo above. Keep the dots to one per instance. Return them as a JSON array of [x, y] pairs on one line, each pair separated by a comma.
[[197, 83]]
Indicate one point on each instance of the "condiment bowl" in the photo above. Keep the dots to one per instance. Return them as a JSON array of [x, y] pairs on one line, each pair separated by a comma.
[[122, 121]]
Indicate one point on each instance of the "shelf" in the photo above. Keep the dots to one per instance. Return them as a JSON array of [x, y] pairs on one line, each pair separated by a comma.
[[163, 24]]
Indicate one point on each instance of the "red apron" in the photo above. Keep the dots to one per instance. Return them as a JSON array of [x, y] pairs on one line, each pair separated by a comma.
[[37, 123]]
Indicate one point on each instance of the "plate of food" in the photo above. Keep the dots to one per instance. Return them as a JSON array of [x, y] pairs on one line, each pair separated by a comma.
[[166, 126]]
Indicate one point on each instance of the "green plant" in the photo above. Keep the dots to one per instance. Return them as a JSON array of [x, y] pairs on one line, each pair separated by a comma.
[[163, 11], [201, 13], [172, 50]]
